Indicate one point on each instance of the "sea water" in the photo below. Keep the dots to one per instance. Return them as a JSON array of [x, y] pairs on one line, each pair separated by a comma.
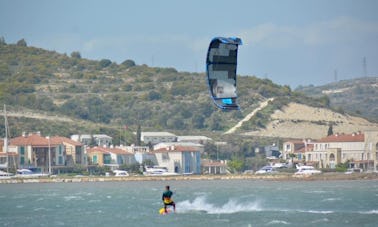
[[199, 203]]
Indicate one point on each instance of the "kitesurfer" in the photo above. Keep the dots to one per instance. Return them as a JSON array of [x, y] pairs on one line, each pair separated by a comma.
[[167, 199]]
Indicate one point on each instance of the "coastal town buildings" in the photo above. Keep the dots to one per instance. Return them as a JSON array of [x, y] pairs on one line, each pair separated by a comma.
[[359, 149]]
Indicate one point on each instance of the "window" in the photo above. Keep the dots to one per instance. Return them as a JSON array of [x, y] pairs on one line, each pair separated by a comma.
[[60, 160], [94, 159], [165, 157], [107, 159], [22, 150]]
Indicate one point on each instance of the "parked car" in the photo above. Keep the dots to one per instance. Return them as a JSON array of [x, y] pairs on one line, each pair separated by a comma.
[[266, 169], [120, 173], [307, 170], [353, 170]]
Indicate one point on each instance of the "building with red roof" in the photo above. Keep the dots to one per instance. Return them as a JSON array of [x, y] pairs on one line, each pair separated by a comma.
[[179, 159], [36, 151], [111, 157], [294, 150], [74, 150], [359, 149]]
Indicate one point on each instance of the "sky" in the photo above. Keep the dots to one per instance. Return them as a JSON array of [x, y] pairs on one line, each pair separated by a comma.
[[291, 42]]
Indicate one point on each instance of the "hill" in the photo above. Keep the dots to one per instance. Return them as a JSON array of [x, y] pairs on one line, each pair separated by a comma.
[[65, 94], [302, 121], [358, 96]]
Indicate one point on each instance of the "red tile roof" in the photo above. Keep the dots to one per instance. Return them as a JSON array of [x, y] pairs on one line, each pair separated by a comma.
[[34, 140], [354, 137], [107, 150], [61, 139], [213, 163]]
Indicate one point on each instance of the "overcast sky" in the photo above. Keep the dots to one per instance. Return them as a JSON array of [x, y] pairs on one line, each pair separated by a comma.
[[291, 42]]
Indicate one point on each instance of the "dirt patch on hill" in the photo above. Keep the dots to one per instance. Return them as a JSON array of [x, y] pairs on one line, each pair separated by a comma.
[[301, 121]]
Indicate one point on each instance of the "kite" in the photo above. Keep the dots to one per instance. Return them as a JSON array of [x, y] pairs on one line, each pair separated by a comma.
[[221, 63]]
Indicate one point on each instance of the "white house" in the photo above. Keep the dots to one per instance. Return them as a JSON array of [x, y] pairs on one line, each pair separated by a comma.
[[198, 146], [157, 137], [141, 153], [194, 139], [179, 159], [101, 140]]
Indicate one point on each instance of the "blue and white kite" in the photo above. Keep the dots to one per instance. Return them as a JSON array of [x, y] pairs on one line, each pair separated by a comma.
[[221, 63]]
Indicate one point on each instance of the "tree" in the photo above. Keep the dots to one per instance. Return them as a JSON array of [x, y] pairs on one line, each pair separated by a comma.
[[128, 63], [104, 63], [22, 43], [292, 156], [76, 54], [138, 135], [236, 164], [330, 130], [2, 41]]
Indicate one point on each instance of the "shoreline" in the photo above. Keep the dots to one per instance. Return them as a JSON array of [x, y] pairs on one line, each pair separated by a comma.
[[271, 177]]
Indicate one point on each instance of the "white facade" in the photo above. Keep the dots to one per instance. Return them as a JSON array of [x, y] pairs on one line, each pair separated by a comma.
[[182, 160], [157, 137], [198, 146], [357, 148], [101, 140]]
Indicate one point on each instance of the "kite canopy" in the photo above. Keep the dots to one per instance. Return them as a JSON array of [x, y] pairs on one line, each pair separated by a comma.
[[221, 65]]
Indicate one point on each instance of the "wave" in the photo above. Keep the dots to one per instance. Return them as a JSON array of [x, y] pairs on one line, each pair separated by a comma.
[[200, 204], [369, 212], [278, 222]]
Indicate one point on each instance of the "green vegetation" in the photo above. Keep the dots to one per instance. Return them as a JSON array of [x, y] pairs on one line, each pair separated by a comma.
[[103, 96], [357, 97]]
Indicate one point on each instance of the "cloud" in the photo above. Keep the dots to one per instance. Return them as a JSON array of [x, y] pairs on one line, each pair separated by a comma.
[[342, 30]]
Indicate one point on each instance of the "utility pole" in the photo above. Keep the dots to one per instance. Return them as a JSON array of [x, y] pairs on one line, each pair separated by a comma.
[[364, 66], [49, 155]]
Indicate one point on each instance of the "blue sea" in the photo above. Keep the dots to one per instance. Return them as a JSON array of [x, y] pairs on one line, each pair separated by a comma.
[[199, 203]]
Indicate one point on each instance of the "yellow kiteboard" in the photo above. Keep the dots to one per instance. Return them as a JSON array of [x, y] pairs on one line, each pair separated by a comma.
[[162, 211]]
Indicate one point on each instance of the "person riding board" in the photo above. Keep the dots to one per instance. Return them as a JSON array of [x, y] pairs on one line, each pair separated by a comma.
[[167, 199]]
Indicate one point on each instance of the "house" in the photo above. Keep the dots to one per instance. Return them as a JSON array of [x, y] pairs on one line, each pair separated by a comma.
[[293, 150], [157, 137], [7, 157], [214, 167], [179, 159], [36, 151], [101, 140], [141, 153], [111, 157], [75, 154], [194, 139], [198, 146]]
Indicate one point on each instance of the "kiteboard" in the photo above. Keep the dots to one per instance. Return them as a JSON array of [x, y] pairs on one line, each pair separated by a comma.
[[162, 211]]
